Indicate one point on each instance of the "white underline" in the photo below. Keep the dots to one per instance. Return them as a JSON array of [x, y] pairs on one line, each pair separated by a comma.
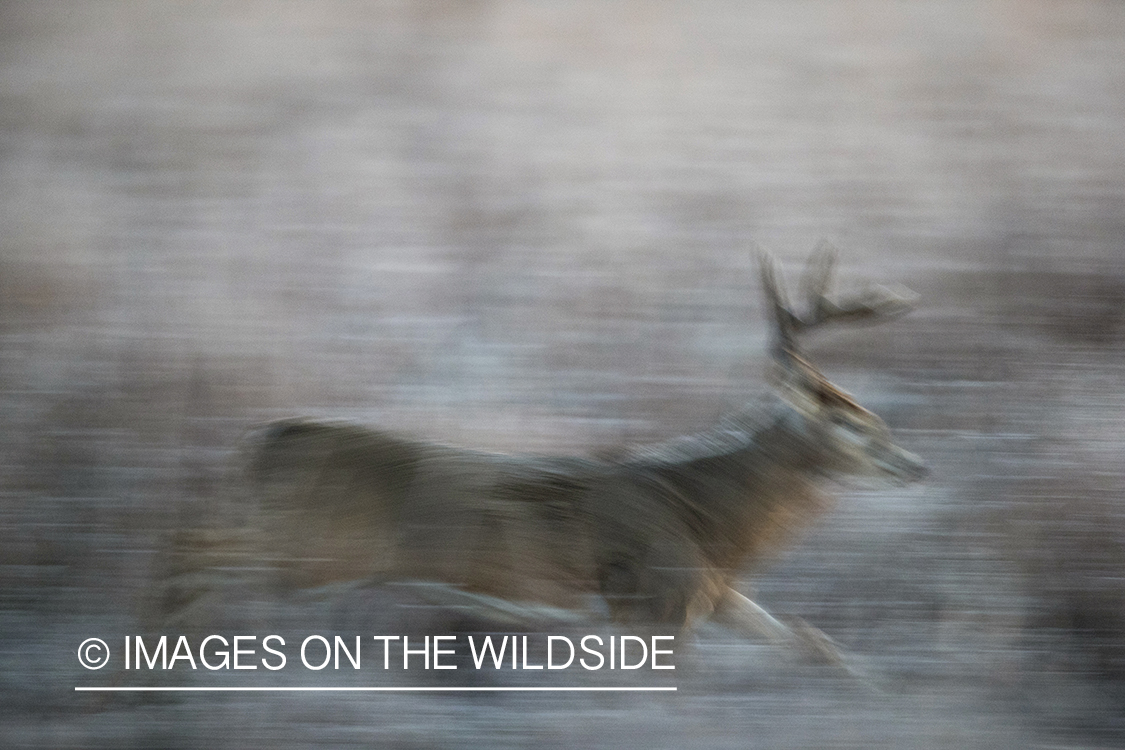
[[374, 689]]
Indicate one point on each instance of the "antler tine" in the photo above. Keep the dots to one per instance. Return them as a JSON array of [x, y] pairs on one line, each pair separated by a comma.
[[876, 302], [785, 322], [815, 283]]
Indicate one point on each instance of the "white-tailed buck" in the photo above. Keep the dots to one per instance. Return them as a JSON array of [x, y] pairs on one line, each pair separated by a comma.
[[660, 533]]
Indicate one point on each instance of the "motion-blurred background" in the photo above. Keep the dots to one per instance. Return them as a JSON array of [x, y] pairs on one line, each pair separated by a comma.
[[528, 225]]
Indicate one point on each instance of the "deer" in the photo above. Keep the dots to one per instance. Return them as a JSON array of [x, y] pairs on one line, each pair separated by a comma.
[[661, 534]]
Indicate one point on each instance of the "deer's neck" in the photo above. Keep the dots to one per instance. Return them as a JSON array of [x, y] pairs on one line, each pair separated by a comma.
[[748, 485]]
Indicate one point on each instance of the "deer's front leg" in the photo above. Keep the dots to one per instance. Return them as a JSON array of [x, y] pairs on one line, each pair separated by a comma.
[[740, 614]]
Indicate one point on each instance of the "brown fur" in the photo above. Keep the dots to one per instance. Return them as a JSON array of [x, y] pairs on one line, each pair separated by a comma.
[[660, 535]]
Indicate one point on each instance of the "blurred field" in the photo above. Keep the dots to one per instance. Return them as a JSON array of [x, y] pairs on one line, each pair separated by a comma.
[[528, 226]]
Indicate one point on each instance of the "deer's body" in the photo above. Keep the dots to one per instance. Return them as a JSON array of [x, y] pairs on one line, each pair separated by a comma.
[[343, 502], [660, 533]]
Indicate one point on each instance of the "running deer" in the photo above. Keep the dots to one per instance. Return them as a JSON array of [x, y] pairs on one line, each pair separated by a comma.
[[660, 533]]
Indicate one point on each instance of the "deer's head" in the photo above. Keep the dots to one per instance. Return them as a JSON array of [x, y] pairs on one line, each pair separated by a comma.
[[844, 437]]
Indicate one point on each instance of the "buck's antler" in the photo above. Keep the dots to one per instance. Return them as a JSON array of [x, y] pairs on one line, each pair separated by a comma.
[[875, 303]]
